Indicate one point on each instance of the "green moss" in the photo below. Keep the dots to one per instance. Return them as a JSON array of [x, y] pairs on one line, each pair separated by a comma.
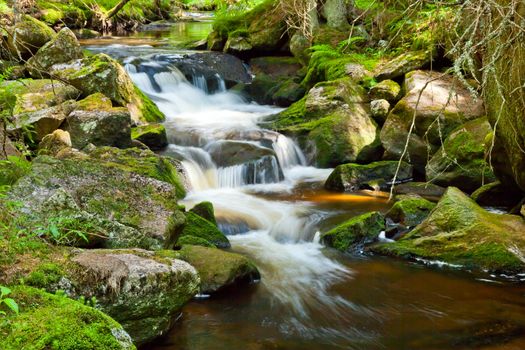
[[205, 210], [95, 102], [52, 16], [192, 240], [45, 275], [149, 110], [355, 232], [197, 226], [410, 210], [53, 322]]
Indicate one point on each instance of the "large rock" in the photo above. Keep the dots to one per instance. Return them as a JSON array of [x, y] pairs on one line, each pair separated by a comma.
[[123, 198], [61, 49], [95, 121], [497, 194], [197, 226], [356, 232], [386, 90], [460, 232], [410, 210], [333, 123], [27, 36], [48, 321], [142, 291], [101, 73], [228, 153], [218, 269], [462, 160], [403, 64], [352, 177], [439, 105], [153, 135]]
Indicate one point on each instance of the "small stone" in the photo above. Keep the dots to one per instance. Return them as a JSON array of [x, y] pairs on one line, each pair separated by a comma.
[[380, 109]]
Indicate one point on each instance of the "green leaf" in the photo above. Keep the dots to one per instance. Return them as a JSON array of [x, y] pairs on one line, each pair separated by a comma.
[[4, 291], [11, 304]]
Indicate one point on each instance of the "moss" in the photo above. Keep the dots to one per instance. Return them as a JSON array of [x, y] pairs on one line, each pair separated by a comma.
[[458, 231], [149, 110], [205, 210], [95, 102], [52, 16], [355, 232], [410, 210], [192, 240], [45, 275], [197, 226], [53, 322]]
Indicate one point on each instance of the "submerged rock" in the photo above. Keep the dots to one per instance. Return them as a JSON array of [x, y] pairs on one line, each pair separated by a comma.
[[352, 177], [48, 321], [431, 96], [218, 269], [142, 291], [460, 232], [356, 232]]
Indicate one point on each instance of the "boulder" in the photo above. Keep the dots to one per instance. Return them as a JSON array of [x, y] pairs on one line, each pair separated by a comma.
[[462, 160], [48, 321], [55, 142], [356, 232], [431, 97], [197, 226], [228, 153], [205, 210], [141, 290], [386, 90], [410, 210], [352, 177], [424, 189], [85, 33], [402, 64], [27, 36], [496, 194], [218, 269], [152, 135], [64, 47], [101, 73], [333, 123], [299, 46], [459, 232], [127, 197], [379, 110]]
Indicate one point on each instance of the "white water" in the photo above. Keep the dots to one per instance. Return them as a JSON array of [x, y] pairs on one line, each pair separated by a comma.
[[279, 235]]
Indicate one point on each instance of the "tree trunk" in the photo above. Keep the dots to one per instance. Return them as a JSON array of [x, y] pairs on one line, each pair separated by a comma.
[[116, 9]]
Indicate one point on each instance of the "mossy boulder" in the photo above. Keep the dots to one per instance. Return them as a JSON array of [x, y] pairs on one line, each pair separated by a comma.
[[379, 110], [142, 290], [497, 194], [333, 123], [101, 73], [64, 47], [27, 36], [460, 232], [152, 135], [431, 96], [353, 234], [352, 177], [205, 210], [424, 189], [54, 322], [54, 143], [403, 64], [197, 226], [462, 160], [410, 210], [128, 197], [218, 269], [386, 90]]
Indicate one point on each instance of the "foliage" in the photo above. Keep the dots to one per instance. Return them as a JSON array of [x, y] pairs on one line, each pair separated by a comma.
[[7, 302], [12, 169]]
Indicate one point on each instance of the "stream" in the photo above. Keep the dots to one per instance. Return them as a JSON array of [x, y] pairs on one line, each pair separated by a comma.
[[273, 208]]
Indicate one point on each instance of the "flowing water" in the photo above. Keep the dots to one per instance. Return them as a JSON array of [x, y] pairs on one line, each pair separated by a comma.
[[272, 206]]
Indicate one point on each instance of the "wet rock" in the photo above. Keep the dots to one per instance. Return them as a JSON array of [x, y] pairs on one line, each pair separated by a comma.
[[55, 142], [57, 322], [403, 64], [205, 210], [424, 189], [410, 210], [352, 177], [100, 73], [496, 194], [386, 90], [27, 36], [152, 135], [462, 160], [142, 291], [197, 226], [333, 122], [460, 232], [356, 232], [228, 153], [379, 110], [64, 47], [442, 98], [219, 269]]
